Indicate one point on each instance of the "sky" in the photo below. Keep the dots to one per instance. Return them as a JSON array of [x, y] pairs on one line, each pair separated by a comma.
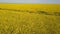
[[31, 1]]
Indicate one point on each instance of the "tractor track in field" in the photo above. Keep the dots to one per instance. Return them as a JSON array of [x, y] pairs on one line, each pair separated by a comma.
[[37, 12]]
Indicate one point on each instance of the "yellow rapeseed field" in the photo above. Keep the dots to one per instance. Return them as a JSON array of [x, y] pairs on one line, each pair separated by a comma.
[[29, 18]]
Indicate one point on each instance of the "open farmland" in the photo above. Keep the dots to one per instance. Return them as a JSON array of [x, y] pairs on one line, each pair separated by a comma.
[[29, 19]]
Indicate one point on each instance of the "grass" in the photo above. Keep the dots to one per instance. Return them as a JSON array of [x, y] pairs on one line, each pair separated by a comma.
[[14, 22]]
